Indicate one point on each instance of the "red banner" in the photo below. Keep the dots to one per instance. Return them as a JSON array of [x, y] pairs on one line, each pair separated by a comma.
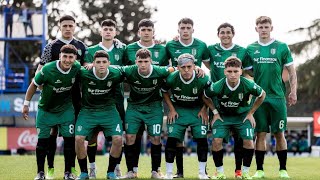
[[316, 123]]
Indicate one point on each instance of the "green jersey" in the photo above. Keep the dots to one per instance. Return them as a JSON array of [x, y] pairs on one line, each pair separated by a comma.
[[197, 48], [218, 54], [186, 93], [57, 84], [115, 54], [145, 89], [158, 54], [233, 100], [99, 93], [267, 61]]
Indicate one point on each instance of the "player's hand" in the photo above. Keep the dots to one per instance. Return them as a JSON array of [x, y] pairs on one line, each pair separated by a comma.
[[204, 116], [25, 112], [200, 72], [88, 66], [292, 99], [215, 118], [118, 43], [176, 38], [250, 118], [172, 116]]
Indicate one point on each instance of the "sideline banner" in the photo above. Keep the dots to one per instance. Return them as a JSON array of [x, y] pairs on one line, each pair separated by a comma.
[[316, 123]]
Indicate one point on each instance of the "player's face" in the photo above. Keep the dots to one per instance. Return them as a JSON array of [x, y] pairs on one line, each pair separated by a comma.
[[67, 60], [144, 65], [186, 70], [108, 33], [225, 35], [185, 31], [264, 30], [146, 33], [101, 65], [232, 74], [67, 29]]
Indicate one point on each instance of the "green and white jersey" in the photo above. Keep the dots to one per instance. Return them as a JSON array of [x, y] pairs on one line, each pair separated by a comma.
[[115, 54], [145, 89], [267, 61], [197, 48], [236, 100], [218, 54], [57, 84], [99, 93], [186, 93], [158, 54]]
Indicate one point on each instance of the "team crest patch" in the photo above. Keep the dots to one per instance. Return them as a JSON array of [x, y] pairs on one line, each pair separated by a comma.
[[156, 54], [109, 83], [240, 95], [116, 57], [73, 80], [79, 128], [273, 51], [194, 90], [193, 51], [234, 54], [79, 52], [170, 129], [155, 81]]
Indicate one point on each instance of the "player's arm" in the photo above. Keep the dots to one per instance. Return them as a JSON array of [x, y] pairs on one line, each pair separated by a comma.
[[29, 94], [172, 115], [292, 98], [208, 102], [253, 109]]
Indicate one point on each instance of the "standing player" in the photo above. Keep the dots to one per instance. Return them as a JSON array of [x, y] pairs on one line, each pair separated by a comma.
[[186, 44], [158, 57], [115, 50], [99, 110], [144, 107], [67, 25], [55, 106], [233, 98], [218, 53], [268, 57], [186, 109]]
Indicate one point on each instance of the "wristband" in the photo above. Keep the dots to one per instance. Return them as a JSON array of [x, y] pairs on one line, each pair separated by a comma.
[[215, 111], [26, 103]]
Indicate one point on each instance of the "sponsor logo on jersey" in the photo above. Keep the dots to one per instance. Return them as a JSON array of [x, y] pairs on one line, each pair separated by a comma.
[[109, 83], [116, 57], [225, 97], [263, 60], [230, 104], [257, 52], [193, 51], [195, 90], [155, 81], [273, 51], [137, 82], [156, 54], [218, 64], [61, 89], [58, 81], [177, 89], [217, 55], [240, 95], [79, 52], [92, 83], [155, 62], [177, 51], [73, 80]]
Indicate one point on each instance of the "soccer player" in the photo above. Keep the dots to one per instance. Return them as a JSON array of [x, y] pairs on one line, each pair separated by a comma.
[[268, 57], [234, 111], [186, 43], [99, 110], [115, 50], [218, 53], [144, 107], [67, 25], [186, 109], [158, 57], [55, 106]]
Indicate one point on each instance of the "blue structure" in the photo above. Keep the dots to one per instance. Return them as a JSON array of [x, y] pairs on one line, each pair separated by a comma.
[[15, 76]]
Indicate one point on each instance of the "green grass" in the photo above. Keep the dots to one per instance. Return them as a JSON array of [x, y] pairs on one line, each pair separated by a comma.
[[24, 167]]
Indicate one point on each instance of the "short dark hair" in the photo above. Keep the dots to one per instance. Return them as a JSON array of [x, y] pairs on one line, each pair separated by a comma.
[[143, 54], [145, 23], [232, 61], [100, 53], [109, 22], [69, 48], [225, 25], [185, 21], [66, 18], [263, 19]]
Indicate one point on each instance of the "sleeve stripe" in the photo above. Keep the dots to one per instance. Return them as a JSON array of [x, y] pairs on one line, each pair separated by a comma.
[[205, 95], [163, 90], [206, 60], [261, 93], [288, 64], [36, 83]]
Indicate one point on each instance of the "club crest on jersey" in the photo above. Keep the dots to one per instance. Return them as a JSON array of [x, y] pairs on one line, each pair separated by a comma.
[[116, 57], [155, 81], [79, 52], [193, 51], [109, 83], [79, 128], [73, 80], [240, 95], [273, 51], [170, 129], [194, 90], [234, 54], [156, 54]]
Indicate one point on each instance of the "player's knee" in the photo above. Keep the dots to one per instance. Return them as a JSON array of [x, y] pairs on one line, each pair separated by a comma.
[[43, 143], [130, 138], [261, 136], [248, 144], [79, 139], [217, 144], [155, 140], [117, 141]]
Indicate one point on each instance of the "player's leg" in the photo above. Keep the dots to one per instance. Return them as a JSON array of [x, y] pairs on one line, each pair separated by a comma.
[[121, 111], [137, 144], [179, 159], [52, 151], [81, 155], [238, 153], [278, 126], [91, 152]]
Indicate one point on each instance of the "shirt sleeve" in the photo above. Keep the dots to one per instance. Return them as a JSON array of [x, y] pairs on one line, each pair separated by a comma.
[[46, 54]]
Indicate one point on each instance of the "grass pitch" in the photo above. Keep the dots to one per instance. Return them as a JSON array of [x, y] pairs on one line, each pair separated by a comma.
[[24, 167]]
